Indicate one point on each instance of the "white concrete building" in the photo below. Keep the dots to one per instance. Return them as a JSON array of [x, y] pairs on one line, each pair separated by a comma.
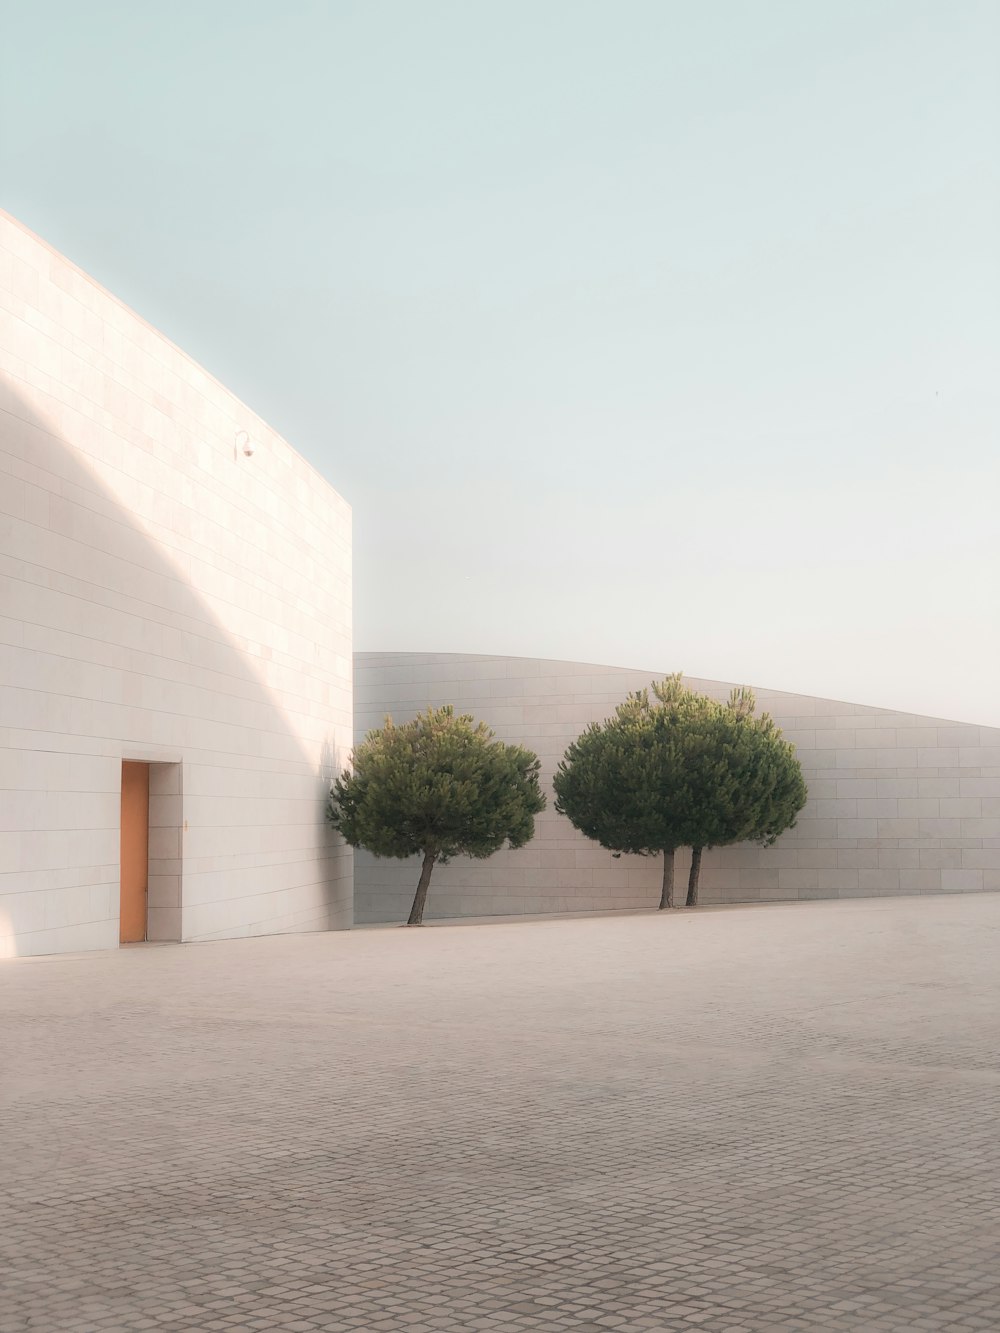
[[175, 594], [897, 803], [176, 683]]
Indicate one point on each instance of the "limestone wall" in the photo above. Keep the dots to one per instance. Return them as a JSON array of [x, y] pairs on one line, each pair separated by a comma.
[[897, 803]]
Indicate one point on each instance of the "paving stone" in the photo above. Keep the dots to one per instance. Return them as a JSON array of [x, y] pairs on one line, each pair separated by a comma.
[[731, 1121]]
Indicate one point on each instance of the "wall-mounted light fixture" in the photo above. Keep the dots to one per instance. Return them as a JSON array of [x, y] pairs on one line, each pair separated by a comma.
[[244, 444]]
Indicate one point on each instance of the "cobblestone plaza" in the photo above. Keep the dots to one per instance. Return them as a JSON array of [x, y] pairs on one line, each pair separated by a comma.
[[741, 1119]]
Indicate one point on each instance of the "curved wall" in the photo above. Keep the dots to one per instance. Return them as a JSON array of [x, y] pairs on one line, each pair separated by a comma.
[[165, 599], [898, 804]]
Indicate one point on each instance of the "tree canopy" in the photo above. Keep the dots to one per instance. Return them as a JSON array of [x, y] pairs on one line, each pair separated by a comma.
[[680, 770], [746, 782], [440, 786], [626, 782]]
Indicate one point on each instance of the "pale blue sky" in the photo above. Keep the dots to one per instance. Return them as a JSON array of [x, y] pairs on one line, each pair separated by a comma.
[[650, 333]]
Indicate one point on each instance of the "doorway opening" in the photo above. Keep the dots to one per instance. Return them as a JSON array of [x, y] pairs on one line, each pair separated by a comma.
[[151, 852]]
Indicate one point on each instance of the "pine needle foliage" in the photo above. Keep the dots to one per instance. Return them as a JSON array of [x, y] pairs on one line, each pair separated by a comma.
[[680, 770], [627, 781], [747, 782], [439, 786]]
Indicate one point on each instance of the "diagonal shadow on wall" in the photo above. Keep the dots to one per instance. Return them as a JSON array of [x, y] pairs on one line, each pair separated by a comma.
[[113, 646]]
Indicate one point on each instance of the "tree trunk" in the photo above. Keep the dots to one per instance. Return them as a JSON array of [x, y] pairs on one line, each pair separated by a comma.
[[420, 897], [667, 896], [692, 900]]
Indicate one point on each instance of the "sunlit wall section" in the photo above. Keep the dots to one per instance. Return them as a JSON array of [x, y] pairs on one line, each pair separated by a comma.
[[898, 804], [176, 589]]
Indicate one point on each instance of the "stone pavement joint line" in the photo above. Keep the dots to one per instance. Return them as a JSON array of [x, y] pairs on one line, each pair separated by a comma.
[[733, 1121]]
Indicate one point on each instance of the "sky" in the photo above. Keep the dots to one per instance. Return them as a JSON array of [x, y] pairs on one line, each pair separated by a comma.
[[651, 333]]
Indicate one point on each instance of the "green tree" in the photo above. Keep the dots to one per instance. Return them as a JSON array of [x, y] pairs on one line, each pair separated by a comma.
[[439, 786], [746, 782], [680, 771], [627, 782]]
